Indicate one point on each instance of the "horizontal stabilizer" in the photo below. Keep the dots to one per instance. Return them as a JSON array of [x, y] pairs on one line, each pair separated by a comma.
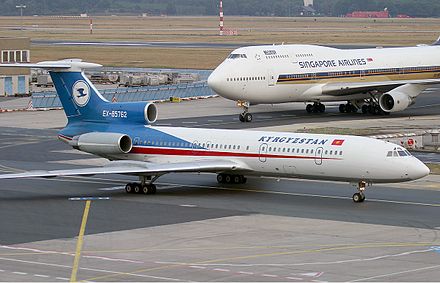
[[73, 65]]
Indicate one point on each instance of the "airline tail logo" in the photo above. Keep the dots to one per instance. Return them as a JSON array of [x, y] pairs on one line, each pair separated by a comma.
[[81, 93]]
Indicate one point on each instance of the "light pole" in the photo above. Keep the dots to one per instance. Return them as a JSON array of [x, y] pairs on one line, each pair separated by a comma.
[[21, 7]]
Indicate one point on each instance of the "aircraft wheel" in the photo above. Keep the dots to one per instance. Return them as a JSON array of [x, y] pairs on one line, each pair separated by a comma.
[[358, 197], [237, 179], [248, 117], [342, 108], [365, 109], [309, 108], [321, 108], [220, 178], [137, 188], [241, 117], [228, 179], [243, 180], [353, 109], [152, 190], [129, 188]]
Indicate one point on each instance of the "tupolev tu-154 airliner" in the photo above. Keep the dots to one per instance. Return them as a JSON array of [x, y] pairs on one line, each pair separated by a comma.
[[374, 80], [122, 132]]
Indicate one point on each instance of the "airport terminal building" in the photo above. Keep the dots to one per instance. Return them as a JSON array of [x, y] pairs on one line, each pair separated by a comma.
[[14, 81]]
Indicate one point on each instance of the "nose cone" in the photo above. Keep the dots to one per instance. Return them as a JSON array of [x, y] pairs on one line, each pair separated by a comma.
[[418, 170], [214, 81]]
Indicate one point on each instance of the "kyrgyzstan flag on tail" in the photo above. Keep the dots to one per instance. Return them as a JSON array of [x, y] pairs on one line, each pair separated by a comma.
[[337, 142]]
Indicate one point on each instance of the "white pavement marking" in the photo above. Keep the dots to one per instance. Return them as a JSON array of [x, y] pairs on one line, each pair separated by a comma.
[[70, 254], [287, 115], [246, 272], [295, 278], [19, 273], [164, 124], [90, 269], [62, 278], [41, 275], [189, 122], [188, 205], [197, 267], [395, 273], [269, 275], [215, 121], [221, 269], [112, 188], [317, 274]]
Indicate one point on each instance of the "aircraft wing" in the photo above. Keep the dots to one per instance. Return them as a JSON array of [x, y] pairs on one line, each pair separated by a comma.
[[340, 89], [135, 168]]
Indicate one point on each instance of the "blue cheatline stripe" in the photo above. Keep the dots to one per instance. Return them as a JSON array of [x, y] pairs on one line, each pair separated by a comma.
[[356, 73]]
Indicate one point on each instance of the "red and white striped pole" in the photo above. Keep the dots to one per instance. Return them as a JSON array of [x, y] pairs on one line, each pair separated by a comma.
[[221, 17]]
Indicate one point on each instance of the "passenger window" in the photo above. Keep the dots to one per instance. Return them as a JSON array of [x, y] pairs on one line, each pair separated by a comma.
[[331, 152], [389, 154], [247, 148], [395, 154], [302, 150]]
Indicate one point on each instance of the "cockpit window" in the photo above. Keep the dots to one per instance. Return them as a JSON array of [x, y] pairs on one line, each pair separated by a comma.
[[398, 152], [236, 56]]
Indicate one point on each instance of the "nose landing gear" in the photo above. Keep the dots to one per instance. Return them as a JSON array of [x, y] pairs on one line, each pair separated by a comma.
[[360, 196], [245, 116]]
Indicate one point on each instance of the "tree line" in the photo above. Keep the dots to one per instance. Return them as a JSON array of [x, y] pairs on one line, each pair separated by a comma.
[[283, 8]]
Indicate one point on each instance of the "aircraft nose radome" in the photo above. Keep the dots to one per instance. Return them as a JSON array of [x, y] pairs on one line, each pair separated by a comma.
[[214, 81], [420, 170]]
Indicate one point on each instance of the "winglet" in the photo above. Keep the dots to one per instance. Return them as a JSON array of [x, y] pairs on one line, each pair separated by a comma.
[[437, 42], [72, 65]]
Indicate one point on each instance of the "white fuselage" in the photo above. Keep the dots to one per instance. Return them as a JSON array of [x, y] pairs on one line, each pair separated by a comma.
[[296, 155], [298, 73]]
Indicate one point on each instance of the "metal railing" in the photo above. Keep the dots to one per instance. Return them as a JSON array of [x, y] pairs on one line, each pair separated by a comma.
[[49, 99]]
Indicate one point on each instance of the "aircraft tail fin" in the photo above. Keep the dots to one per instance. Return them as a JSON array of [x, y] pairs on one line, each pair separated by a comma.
[[82, 102]]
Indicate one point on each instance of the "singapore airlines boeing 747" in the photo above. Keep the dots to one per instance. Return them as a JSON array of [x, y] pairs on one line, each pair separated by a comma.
[[374, 80], [122, 133]]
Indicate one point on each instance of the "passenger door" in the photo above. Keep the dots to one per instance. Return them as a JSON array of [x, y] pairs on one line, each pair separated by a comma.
[[271, 78], [318, 155], [263, 152]]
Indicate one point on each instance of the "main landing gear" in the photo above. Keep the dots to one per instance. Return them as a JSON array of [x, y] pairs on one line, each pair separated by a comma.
[[316, 107], [231, 179], [360, 196], [145, 186], [348, 108], [245, 116]]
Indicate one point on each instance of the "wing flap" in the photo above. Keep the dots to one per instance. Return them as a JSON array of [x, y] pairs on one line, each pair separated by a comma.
[[135, 168]]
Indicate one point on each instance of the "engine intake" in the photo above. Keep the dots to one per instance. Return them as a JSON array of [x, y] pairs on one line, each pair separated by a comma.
[[104, 143], [395, 101]]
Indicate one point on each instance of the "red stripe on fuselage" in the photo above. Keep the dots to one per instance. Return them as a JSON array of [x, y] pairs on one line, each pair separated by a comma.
[[192, 152]]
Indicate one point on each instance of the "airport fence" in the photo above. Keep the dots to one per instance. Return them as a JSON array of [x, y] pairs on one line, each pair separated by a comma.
[[49, 99]]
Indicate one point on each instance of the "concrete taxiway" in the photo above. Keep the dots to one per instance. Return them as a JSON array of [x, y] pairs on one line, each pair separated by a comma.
[[197, 230]]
